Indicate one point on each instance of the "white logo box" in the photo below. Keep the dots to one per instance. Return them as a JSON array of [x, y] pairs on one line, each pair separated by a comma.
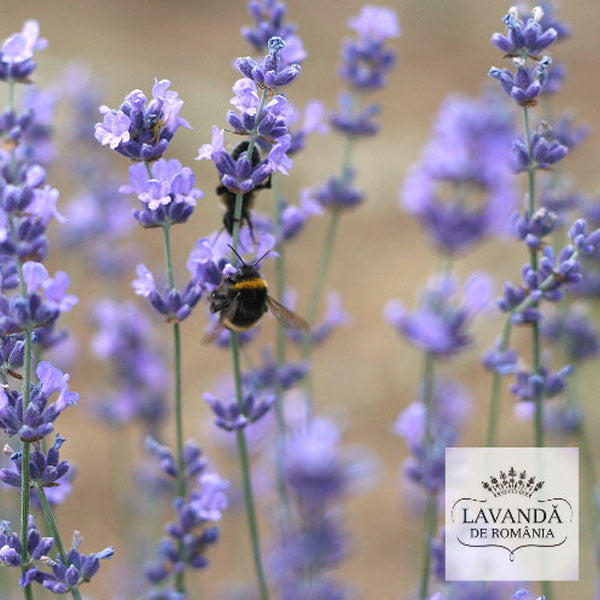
[[512, 514]]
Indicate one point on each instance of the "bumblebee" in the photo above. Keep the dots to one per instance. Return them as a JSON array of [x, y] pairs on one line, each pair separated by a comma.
[[228, 197], [242, 299]]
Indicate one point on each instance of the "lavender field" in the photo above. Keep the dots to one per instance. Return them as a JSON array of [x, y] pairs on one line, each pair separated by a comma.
[[409, 190]]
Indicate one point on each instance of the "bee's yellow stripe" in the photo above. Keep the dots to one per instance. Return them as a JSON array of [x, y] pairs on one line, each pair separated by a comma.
[[250, 284]]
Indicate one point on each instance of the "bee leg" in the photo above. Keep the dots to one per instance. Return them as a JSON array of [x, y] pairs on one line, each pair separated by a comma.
[[219, 305], [219, 302]]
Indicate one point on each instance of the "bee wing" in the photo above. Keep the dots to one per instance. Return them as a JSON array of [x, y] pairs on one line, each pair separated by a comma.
[[287, 317], [212, 333]]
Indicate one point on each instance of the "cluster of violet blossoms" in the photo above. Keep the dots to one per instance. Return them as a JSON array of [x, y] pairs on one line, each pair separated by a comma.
[[31, 302], [264, 120], [123, 337], [462, 189], [549, 273], [319, 474], [141, 130], [193, 531], [366, 63]]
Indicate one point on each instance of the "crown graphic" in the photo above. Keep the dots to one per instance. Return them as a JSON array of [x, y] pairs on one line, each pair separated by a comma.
[[511, 482]]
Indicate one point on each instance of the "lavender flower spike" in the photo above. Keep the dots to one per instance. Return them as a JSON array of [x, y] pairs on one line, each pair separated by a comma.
[[141, 129], [270, 72], [16, 54]]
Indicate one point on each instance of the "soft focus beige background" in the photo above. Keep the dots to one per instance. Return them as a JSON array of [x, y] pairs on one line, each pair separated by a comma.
[[366, 374]]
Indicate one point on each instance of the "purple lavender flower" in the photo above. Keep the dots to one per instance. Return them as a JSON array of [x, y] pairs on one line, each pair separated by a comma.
[[142, 129], [16, 55], [321, 545], [553, 273], [532, 229], [366, 60], [314, 466], [271, 375], [38, 145], [425, 466], [123, 336], [193, 461], [276, 114], [45, 469], [269, 22], [209, 258], [37, 420], [439, 326], [242, 175], [76, 570], [271, 72], [353, 123], [319, 471], [567, 133], [295, 217], [468, 159], [529, 386], [312, 122], [523, 594], [526, 37], [575, 331], [503, 362], [526, 84], [544, 152], [232, 417], [12, 352], [46, 298], [172, 303], [189, 536], [168, 197], [438, 556], [11, 550], [338, 192]]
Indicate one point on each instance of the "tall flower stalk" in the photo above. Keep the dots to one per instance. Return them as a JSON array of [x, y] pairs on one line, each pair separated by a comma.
[[461, 193], [265, 124], [366, 63], [526, 39], [27, 206], [141, 130]]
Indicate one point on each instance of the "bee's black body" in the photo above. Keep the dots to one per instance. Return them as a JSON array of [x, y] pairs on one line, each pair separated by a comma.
[[228, 198], [241, 299]]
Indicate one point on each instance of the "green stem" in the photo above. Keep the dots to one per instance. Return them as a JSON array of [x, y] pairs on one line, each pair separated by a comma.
[[316, 297], [325, 256], [281, 357], [237, 376], [51, 521], [181, 483], [430, 517], [246, 478], [535, 331], [25, 475], [492, 427]]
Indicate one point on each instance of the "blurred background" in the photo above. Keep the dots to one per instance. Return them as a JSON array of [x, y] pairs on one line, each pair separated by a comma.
[[366, 374]]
